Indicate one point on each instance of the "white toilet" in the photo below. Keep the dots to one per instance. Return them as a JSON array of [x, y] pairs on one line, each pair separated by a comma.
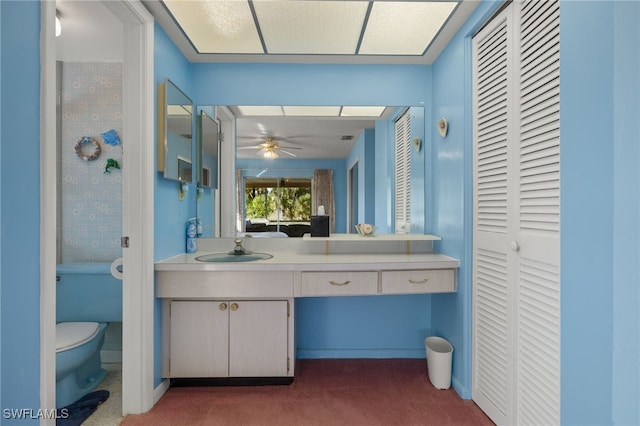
[[78, 369]]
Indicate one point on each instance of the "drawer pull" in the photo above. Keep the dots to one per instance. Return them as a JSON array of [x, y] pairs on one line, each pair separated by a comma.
[[412, 281], [337, 283]]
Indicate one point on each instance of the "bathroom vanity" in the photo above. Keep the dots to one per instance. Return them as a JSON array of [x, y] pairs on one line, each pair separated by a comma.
[[235, 319]]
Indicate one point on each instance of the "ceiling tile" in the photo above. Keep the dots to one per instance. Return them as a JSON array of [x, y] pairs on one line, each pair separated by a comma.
[[258, 110], [403, 28], [312, 111], [362, 111], [217, 26], [311, 27]]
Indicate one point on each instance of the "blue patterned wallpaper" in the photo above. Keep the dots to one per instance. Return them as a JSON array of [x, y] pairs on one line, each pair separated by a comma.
[[91, 198]]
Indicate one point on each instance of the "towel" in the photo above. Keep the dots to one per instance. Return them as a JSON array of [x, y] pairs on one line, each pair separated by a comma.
[[76, 413]]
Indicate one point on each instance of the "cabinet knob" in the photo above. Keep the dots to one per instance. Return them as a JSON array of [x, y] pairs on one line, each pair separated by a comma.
[[234, 306], [514, 245], [222, 307]]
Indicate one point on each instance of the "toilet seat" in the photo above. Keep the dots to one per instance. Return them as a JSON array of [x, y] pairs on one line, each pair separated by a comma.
[[73, 334]]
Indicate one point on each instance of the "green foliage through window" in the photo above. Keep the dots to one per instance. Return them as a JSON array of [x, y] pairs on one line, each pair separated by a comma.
[[286, 200]]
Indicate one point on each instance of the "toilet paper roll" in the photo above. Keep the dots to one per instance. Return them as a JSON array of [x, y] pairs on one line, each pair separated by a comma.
[[321, 211], [114, 268]]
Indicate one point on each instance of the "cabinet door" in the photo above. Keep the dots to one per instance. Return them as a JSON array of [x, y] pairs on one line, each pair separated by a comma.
[[258, 339], [199, 339]]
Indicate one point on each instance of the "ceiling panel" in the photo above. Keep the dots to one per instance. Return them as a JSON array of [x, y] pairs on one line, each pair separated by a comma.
[[217, 26], [404, 28], [311, 31], [311, 27]]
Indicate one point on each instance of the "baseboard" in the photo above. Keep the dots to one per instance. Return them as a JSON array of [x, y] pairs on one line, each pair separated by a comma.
[[359, 353], [160, 390]]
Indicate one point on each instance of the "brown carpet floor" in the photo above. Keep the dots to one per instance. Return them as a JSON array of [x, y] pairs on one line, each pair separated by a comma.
[[325, 392]]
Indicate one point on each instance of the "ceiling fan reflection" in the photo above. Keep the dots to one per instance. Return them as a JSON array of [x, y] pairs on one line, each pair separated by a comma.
[[269, 149]]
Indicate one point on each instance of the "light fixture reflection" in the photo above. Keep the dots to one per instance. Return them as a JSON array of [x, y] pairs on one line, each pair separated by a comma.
[[58, 25], [269, 154]]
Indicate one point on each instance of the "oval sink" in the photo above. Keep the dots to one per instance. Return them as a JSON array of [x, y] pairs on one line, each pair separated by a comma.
[[226, 257]]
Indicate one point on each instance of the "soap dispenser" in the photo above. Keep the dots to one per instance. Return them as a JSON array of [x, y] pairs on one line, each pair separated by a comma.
[[191, 235]]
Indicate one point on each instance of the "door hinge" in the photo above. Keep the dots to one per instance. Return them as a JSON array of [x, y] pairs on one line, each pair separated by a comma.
[[288, 364], [221, 137], [288, 309], [124, 242]]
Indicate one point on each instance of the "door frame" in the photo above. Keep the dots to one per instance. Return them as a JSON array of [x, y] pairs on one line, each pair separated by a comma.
[[138, 279]]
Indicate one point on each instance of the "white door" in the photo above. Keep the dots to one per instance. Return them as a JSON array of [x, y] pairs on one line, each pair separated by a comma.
[[258, 338], [516, 215], [199, 339]]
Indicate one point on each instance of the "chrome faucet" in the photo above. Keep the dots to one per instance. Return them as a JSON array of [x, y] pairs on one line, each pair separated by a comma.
[[239, 249]]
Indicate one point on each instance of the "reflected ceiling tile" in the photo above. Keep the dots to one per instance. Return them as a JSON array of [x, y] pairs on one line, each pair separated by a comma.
[[312, 111], [217, 26], [403, 28], [362, 111], [311, 27], [260, 110]]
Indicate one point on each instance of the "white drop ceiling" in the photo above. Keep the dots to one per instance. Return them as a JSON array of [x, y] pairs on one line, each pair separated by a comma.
[[312, 31]]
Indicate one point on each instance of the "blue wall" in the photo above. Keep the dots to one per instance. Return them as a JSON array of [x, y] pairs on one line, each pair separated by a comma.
[[20, 208], [626, 227], [600, 192], [170, 213]]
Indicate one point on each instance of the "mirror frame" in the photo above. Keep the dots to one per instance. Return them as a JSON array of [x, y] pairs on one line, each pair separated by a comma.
[[203, 118], [165, 90]]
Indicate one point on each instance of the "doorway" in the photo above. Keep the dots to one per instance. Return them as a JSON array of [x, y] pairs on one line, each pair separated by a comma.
[[137, 203]]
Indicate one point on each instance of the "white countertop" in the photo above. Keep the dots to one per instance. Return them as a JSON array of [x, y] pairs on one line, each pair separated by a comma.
[[293, 261]]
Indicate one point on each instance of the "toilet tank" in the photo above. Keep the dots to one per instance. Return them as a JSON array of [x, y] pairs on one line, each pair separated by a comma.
[[86, 291]]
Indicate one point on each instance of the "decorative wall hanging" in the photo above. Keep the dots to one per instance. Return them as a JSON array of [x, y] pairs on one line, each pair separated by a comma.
[[97, 150], [111, 163], [111, 137], [417, 143], [443, 126]]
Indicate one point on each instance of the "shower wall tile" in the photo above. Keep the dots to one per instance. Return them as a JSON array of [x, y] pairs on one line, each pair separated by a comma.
[[91, 198]]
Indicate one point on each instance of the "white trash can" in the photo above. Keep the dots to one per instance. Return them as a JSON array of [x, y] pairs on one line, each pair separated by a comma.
[[439, 354]]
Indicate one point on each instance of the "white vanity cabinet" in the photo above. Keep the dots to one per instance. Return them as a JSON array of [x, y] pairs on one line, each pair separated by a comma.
[[236, 320], [226, 323], [227, 338]]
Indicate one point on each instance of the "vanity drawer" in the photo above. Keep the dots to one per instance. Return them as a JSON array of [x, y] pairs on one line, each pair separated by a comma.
[[224, 284], [419, 281], [339, 283]]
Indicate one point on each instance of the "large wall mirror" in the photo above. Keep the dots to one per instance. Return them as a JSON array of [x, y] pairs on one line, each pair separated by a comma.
[[207, 149], [279, 150], [175, 133]]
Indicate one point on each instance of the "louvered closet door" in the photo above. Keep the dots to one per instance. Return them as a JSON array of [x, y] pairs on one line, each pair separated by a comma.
[[516, 259], [538, 232], [492, 356]]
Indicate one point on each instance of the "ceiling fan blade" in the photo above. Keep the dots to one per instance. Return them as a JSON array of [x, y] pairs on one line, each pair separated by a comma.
[[249, 147], [289, 147], [287, 152]]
